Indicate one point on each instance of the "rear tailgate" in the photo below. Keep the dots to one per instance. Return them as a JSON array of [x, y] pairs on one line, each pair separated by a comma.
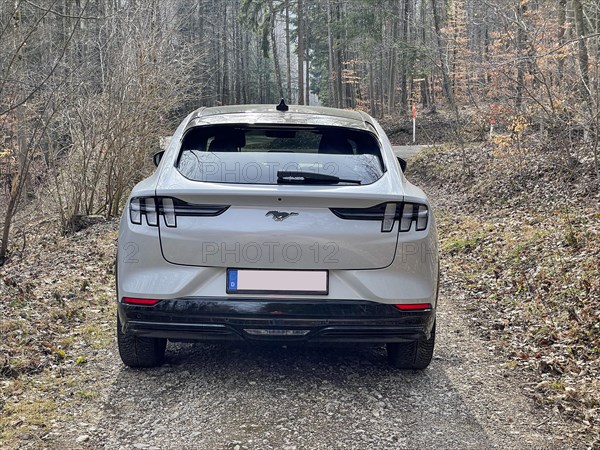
[[277, 228]]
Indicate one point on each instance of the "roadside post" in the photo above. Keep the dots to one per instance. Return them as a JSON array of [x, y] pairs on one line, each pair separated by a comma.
[[492, 123]]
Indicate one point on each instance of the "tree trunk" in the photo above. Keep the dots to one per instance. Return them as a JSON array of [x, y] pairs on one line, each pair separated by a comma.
[[307, 57], [274, 48], [405, 62], [582, 56], [372, 93], [15, 193], [339, 61], [381, 89], [520, 44], [331, 85], [392, 69], [447, 86], [243, 58], [237, 61], [225, 42], [216, 51], [18, 180], [562, 23], [288, 50], [425, 92], [300, 50]]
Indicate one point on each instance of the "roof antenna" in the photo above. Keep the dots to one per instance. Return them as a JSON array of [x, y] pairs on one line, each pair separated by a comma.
[[282, 106]]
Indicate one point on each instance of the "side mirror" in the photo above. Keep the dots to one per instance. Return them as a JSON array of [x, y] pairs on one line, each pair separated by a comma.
[[157, 157], [402, 164]]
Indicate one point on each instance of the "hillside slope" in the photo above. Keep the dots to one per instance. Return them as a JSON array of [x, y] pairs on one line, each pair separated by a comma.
[[520, 253]]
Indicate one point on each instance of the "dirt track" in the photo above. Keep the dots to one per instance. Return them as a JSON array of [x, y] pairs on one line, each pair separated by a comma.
[[312, 397], [236, 396]]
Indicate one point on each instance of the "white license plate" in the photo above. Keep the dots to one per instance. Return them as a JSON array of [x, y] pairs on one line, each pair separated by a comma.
[[248, 281]]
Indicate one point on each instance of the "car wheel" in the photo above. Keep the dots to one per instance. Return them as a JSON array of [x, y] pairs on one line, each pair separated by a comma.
[[411, 355], [139, 351]]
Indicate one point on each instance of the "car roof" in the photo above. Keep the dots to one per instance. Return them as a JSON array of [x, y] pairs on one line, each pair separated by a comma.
[[268, 114]]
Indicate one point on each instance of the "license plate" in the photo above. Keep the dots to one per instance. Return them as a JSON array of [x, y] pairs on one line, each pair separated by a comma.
[[248, 281]]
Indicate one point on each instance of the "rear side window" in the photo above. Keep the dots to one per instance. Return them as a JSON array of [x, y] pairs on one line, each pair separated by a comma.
[[280, 155]]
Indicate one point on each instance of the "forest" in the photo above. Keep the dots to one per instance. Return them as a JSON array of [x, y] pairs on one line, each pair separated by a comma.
[[87, 87]]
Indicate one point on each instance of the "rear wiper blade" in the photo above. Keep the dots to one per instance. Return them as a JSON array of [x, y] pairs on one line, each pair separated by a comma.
[[299, 177]]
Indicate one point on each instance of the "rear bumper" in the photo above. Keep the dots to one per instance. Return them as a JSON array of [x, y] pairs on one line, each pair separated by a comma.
[[197, 318]]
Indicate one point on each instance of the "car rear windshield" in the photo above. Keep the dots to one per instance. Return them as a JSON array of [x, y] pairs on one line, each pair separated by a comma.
[[280, 155]]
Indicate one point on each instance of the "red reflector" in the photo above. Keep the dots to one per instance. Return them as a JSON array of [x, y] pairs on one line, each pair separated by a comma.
[[413, 306], [140, 301]]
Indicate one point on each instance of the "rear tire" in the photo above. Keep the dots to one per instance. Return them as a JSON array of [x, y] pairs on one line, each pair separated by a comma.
[[411, 355], [136, 351]]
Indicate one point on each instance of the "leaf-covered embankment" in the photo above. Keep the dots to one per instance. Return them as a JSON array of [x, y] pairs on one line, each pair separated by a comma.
[[57, 309], [520, 244]]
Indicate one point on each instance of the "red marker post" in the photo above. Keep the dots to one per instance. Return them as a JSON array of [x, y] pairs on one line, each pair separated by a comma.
[[492, 123], [414, 119]]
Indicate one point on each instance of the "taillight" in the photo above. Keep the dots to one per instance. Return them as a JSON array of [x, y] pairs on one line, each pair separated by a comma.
[[168, 211], [150, 209], [389, 217], [414, 212], [143, 206], [135, 211], [388, 214], [169, 208], [414, 306], [140, 301]]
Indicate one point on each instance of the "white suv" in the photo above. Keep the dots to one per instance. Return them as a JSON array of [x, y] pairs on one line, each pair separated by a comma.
[[277, 223]]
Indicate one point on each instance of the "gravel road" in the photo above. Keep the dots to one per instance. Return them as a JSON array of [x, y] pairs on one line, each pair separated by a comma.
[[312, 397], [238, 397], [406, 151]]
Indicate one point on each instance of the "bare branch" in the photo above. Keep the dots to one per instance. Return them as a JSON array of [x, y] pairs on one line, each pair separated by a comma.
[[59, 14], [54, 67]]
